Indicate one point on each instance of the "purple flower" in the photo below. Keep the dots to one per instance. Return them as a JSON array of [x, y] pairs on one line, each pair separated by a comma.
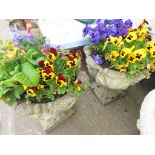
[[97, 59], [106, 22], [128, 23], [106, 28], [86, 30], [123, 31], [94, 37], [17, 37], [112, 30], [46, 44], [117, 22]]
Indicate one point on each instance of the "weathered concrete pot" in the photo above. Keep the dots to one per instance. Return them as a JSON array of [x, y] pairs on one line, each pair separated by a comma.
[[107, 77], [37, 118], [49, 114], [146, 121]]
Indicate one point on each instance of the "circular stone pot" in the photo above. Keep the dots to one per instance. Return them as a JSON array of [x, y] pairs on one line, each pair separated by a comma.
[[40, 117], [146, 121], [108, 77]]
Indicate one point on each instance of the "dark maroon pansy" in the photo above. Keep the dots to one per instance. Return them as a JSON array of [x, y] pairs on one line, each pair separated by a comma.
[[41, 63], [54, 51], [48, 70], [79, 82], [61, 77]]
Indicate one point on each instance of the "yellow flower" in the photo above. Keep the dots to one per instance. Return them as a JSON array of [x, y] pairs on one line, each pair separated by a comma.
[[121, 68], [152, 53], [77, 84], [152, 65], [140, 54], [124, 52], [131, 57], [114, 54], [72, 63], [10, 55], [60, 82], [141, 37], [116, 41], [31, 92], [131, 37], [47, 76], [51, 57], [142, 30], [150, 46]]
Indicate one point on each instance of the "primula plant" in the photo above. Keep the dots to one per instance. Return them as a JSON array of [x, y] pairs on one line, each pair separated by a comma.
[[30, 70], [131, 51]]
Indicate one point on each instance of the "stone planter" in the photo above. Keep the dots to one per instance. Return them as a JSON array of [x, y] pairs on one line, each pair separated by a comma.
[[146, 121], [108, 85], [107, 77], [37, 118]]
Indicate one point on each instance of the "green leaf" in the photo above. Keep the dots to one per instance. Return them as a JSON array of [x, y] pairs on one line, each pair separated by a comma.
[[3, 91], [19, 91], [29, 56], [61, 90], [28, 76]]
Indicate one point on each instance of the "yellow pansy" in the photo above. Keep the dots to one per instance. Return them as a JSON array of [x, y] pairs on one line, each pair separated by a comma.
[[51, 57], [72, 63], [131, 57], [29, 91], [124, 52], [152, 53], [77, 84], [47, 76], [114, 54], [150, 46], [121, 68], [140, 54], [116, 40], [131, 37], [152, 65], [142, 30]]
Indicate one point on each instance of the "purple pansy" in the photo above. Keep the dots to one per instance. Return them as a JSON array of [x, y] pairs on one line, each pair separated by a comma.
[[106, 28], [86, 30], [97, 59], [128, 23], [95, 37]]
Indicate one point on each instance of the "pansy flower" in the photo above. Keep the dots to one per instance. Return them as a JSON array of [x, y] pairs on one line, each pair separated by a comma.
[[47, 74], [76, 53], [131, 57], [60, 80], [47, 70], [131, 37], [72, 61], [114, 54], [52, 54], [124, 52], [152, 65], [30, 91], [150, 46], [116, 40], [121, 68], [140, 54], [77, 84]]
